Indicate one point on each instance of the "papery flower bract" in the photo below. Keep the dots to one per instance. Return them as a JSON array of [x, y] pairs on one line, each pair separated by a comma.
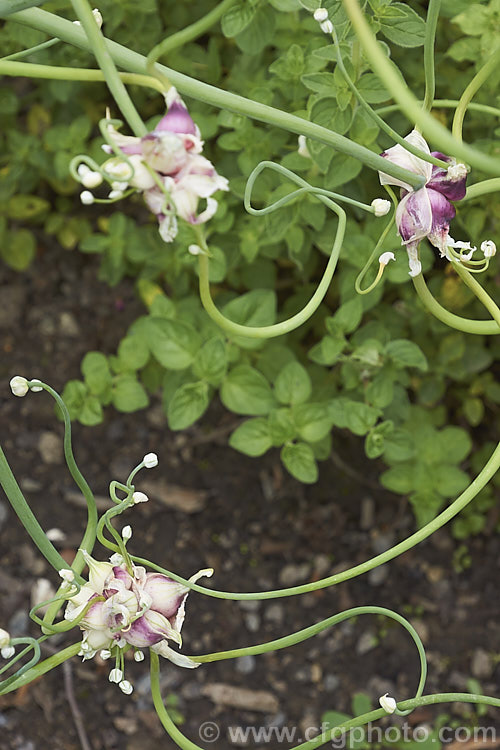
[[388, 703], [137, 608], [425, 212]]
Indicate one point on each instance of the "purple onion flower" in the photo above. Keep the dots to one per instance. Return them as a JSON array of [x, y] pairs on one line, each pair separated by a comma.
[[136, 608], [426, 212], [167, 167]]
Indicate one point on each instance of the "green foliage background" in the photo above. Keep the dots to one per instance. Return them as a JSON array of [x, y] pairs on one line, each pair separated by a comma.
[[378, 366]]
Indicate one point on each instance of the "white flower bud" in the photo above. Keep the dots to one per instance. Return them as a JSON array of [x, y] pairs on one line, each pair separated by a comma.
[[67, 575], [150, 460], [387, 703], [380, 206], [302, 149], [116, 559], [119, 169], [126, 533], [116, 675], [55, 535], [326, 27], [489, 248], [385, 258], [7, 652], [91, 179], [4, 638], [115, 195], [126, 687], [138, 656], [98, 17], [86, 198], [105, 654], [320, 15], [82, 170], [34, 387], [19, 386], [140, 497]]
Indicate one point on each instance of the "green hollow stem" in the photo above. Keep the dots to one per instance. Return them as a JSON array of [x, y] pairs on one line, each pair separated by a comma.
[[376, 117], [136, 63], [8, 7], [479, 79], [42, 668], [31, 51], [321, 739], [401, 92], [430, 38], [26, 515], [107, 65], [479, 327], [319, 627], [88, 75], [482, 188], [447, 104], [478, 290], [360, 277], [285, 326], [89, 537], [486, 474]]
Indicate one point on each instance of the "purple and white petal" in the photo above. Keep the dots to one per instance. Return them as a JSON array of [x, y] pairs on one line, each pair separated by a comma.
[[149, 629], [164, 152], [414, 216], [177, 120], [442, 213], [166, 594], [129, 144], [449, 182], [402, 158]]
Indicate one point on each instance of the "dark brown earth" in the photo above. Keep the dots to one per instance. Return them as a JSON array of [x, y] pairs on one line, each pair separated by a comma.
[[257, 527]]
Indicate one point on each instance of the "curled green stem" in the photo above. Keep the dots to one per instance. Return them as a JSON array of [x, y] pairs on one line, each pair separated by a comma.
[[486, 474], [312, 630], [89, 537], [478, 327], [285, 326], [479, 79], [40, 669]]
